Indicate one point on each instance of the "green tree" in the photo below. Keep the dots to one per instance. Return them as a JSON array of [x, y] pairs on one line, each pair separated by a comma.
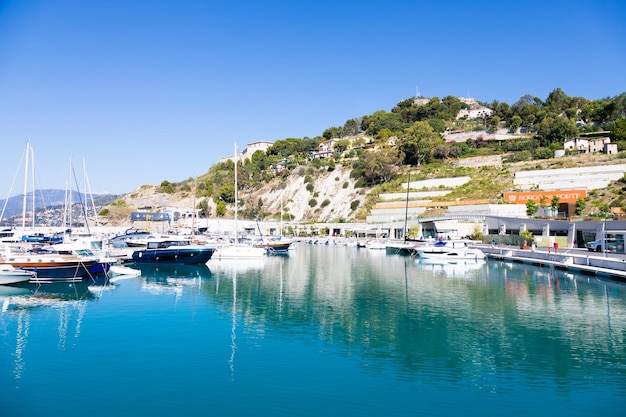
[[555, 129], [358, 143], [580, 206], [418, 142], [493, 123], [438, 125], [341, 145], [376, 167], [618, 133], [220, 208], [554, 204], [514, 123], [351, 127], [381, 120], [556, 101], [226, 193], [531, 208], [383, 135], [332, 132]]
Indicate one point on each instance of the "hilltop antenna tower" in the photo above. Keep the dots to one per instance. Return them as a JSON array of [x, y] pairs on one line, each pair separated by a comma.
[[417, 92]]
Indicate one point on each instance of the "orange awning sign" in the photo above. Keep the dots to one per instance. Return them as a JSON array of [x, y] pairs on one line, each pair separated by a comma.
[[564, 196]]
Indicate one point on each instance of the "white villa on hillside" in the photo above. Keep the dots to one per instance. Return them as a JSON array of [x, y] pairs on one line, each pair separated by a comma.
[[478, 113], [250, 149], [591, 145], [325, 149]]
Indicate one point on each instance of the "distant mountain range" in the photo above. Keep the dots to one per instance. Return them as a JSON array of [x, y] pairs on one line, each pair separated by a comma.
[[47, 199]]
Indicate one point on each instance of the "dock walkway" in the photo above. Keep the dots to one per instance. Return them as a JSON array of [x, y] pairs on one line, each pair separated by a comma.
[[611, 267]]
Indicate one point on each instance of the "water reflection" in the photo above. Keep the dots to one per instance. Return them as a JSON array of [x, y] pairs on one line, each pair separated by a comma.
[[461, 269], [68, 300], [163, 272], [496, 326], [172, 278], [31, 296], [481, 321]]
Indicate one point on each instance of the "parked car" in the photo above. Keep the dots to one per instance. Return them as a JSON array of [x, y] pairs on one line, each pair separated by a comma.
[[596, 245]]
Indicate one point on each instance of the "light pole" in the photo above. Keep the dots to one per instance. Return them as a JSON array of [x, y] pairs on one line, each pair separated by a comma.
[[604, 248], [498, 231]]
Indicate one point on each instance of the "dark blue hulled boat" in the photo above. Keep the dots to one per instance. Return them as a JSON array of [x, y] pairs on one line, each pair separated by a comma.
[[172, 250], [51, 266]]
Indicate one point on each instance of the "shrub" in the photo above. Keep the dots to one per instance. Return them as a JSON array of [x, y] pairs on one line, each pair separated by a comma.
[[360, 183], [312, 202], [325, 203], [309, 187], [167, 187], [543, 153], [354, 205], [519, 156]]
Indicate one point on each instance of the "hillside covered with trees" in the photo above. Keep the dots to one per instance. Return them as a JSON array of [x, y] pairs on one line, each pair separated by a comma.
[[381, 148]]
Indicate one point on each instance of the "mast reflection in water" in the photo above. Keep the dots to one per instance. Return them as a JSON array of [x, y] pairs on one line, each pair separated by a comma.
[[326, 330]]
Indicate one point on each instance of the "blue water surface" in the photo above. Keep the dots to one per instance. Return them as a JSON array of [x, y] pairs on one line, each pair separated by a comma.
[[324, 331]]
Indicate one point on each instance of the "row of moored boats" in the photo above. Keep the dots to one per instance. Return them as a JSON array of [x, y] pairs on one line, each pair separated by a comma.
[[446, 250], [81, 258]]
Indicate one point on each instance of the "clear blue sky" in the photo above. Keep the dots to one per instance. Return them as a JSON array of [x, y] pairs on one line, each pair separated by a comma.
[[150, 90]]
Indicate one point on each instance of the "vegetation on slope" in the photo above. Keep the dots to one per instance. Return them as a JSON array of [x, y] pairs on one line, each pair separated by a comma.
[[382, 148]]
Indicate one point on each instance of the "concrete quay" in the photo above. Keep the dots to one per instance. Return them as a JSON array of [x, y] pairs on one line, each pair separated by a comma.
[[611, 267]]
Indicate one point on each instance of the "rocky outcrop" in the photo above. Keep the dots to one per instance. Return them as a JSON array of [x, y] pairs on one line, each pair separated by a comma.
[[328, 196]]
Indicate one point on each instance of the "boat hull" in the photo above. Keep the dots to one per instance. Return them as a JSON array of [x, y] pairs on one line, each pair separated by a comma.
[[15, 276], [173, 255], [452, 256], [100, 267], [56, 271], [271, 247], [240, 252]]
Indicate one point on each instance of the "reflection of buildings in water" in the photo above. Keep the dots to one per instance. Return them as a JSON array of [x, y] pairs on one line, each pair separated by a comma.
[[561, 300], [330, 269]]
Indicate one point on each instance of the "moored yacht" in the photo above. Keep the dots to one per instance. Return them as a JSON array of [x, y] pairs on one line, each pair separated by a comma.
[[82, 250], [173, 250], [451, 250], [11, 275], [51, 266]]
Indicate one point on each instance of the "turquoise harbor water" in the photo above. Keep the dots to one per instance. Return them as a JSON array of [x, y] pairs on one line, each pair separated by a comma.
[[325, 331]]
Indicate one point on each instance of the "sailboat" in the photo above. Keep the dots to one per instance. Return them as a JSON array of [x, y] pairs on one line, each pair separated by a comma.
[[276, 245], [13, 236], [46, 266], [236, 249]]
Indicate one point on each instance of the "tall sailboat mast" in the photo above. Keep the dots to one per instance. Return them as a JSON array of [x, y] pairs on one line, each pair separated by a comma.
[[25, 186], [236, 194], [29, 158]]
